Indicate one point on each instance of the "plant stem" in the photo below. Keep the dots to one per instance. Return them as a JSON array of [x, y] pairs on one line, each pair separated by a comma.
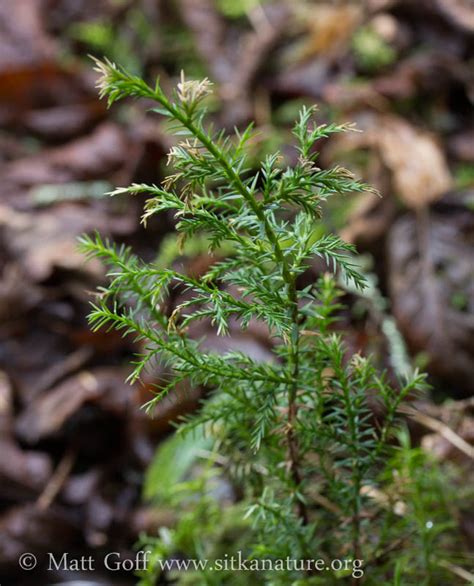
[[356, 469], [288, 277], [293, 447]]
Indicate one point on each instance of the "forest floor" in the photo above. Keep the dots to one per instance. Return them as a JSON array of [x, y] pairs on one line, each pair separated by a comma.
[[74, 443]]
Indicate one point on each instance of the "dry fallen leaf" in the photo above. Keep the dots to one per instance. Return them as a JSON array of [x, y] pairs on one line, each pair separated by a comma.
[[42, 241], [329, 27], [419, 169], [47, 414]]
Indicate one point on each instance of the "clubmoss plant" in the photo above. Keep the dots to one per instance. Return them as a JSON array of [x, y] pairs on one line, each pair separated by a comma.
[[298, 432]]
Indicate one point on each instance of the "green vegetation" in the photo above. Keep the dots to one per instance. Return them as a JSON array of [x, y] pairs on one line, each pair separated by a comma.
[[309, 438]]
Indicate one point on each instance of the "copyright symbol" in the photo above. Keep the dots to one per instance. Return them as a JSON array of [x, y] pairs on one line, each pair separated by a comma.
[[27, 561]]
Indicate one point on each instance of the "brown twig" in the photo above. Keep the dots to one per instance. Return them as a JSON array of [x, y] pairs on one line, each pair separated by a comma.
[[56, 481], [441, 428], [457, 570]]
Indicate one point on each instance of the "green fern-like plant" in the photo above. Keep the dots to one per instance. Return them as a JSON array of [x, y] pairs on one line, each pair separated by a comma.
[[297, 432]]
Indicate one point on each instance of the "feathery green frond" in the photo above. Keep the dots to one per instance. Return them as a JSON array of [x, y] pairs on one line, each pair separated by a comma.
[[296, 426]]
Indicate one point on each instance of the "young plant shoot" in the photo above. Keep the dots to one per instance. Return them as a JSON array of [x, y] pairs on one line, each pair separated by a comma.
[[308, 433]]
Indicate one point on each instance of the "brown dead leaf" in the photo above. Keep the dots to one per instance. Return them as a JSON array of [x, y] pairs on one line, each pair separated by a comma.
[[47, 414], [419, 169], [97, 155], [22, 473], [329, 27], [42, 241], [59, 123]]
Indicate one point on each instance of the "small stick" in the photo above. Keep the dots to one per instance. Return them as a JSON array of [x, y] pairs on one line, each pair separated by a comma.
[[56, 481], [441, 428]]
